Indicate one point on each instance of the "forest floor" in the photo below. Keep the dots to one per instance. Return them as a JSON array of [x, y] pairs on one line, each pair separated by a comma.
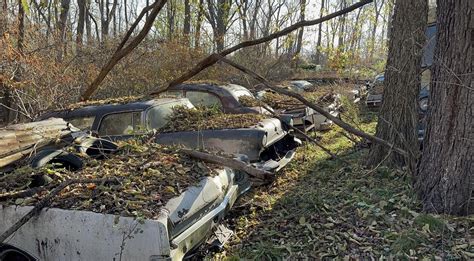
[[320, 208]]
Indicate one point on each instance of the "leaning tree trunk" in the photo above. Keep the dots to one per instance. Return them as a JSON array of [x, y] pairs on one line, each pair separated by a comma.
[[446, 172], [398, 115]]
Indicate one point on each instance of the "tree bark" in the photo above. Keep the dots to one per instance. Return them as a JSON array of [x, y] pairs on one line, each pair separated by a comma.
[[197, 33], [342, 21], [320, 28], [21, 26], [398, 116], [61, 24], [299, 41], [445, 179], [81, 4], [187, 21]]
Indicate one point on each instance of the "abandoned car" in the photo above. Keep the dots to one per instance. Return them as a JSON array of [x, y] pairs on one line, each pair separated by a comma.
[[267, 145], [226, 97]]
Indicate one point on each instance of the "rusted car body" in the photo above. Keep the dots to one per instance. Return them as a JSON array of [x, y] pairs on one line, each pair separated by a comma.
[[226, 97], [267, 144]]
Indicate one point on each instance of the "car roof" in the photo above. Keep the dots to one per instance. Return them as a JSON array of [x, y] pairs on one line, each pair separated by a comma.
[[101, 109], [210, 86]]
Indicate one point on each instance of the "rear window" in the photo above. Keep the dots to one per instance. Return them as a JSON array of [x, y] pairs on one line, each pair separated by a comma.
[[198, 98], [82, 123], [157, 116], [124, 123]]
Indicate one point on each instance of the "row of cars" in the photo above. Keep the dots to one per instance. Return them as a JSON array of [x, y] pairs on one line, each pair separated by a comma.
[[187, 221]]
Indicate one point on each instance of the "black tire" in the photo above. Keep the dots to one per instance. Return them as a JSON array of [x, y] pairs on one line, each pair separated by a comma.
[[51, 156]]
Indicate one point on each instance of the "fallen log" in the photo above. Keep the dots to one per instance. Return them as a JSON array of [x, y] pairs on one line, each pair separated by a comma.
[[231, 163], [20, 140]]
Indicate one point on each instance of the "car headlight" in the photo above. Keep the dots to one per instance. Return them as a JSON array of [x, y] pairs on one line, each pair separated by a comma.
[[424, 104]]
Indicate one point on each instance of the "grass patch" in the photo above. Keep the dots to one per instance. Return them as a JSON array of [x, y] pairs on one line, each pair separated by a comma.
[[320, 209]]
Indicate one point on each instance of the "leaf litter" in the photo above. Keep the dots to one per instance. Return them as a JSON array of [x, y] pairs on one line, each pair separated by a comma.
[[207, 118], [148, 175], [318, 209]]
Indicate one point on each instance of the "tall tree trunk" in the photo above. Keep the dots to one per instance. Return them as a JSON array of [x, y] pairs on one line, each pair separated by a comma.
[[187, 21], [21, 26], [299, 41], [4, 18], [374, 28], [197, 33], [171, 15], [88, 23], [125, 13], [81, 4], [398, 116], [445, 179], [61, 24], [342, 21], [320, 29]]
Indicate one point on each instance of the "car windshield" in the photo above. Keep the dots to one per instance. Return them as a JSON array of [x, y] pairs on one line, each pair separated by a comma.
[[240, 93], [82, 123], [157, 116]]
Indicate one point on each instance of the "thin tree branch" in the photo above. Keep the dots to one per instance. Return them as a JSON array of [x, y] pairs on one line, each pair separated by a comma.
[[123, 50], [212, 59], [297, 96]]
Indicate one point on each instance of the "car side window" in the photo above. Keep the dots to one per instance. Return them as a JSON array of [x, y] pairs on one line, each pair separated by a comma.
[[124, 123], [82, 123], [203, 99]]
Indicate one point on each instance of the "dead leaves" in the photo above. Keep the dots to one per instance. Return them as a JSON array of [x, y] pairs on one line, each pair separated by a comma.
[[207, 118], [149, 174]]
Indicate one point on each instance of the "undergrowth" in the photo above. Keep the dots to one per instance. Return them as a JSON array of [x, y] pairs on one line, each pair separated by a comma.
[[319, 208]]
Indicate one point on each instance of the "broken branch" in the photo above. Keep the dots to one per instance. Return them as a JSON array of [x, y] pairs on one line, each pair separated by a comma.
[[231, 163], [212, 59], [123, 51], [315, 107]]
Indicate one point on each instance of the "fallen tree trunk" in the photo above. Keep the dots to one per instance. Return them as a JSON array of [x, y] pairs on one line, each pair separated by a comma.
[[19, 140], [231, 163]]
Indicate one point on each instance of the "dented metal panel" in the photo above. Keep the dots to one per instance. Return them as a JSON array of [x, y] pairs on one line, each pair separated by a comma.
[[57, 234]]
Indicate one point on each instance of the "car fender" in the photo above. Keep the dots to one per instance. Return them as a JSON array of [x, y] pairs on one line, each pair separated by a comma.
[[48, 155]]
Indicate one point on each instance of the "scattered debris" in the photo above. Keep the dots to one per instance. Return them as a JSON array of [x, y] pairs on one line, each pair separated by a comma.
[[20, 140], [207, 118]]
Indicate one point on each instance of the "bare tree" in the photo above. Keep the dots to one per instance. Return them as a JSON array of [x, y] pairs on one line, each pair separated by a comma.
[[197, 31], [299, 41], [320, 29], [219, 15], [81, 5], [187, 20], [445, 176]]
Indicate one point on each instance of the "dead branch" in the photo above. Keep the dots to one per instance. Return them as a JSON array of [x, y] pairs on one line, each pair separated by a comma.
[[315, 107], [123, 51], [46, 201], [317, 143], [212, 59], [231, 163]]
